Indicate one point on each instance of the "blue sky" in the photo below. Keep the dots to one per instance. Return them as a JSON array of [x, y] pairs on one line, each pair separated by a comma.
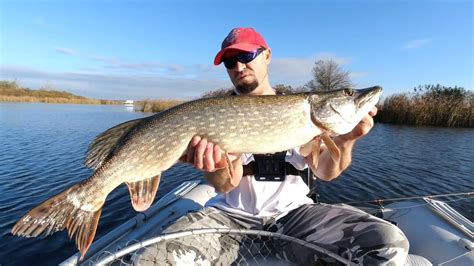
[[165, 49]]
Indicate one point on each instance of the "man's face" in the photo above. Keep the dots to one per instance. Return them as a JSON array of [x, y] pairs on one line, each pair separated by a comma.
[[247, 77]]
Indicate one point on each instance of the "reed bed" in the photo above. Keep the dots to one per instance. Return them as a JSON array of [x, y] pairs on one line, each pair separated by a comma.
[[31, 99], [10, 91], [155, 106], [429, 105]]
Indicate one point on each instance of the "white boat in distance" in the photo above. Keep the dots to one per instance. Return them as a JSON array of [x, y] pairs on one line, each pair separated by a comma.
[[128, 103]]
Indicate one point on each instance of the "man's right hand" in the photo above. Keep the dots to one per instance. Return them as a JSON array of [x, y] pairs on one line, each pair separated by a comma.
[[205, 155]]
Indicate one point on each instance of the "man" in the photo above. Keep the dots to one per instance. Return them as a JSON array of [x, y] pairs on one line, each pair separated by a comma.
[[282, 206]]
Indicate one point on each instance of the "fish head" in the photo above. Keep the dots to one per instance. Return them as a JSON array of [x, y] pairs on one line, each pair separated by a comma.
[[338, 112]]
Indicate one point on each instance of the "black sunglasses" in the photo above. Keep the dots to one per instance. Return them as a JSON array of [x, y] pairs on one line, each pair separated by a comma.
[[244, 58]]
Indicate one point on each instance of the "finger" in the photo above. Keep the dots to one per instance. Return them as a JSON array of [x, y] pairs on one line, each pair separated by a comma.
[[373, 111], [369, 121], [217, 154], [364, 126], [199, 153], [208, 157], [316, 152], [191, 149], [219, 158]]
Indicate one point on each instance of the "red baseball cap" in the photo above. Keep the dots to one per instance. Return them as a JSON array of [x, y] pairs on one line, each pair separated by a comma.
[[241, 39]]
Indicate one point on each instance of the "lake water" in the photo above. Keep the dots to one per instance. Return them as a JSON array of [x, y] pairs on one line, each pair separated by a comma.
[[42, 148]]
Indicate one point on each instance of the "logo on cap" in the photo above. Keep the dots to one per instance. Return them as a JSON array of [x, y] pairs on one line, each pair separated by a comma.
[[230, 39]]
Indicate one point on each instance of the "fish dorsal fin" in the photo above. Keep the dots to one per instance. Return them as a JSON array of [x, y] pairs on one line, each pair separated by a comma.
[[105, 143], [332, 147], [142, 193]]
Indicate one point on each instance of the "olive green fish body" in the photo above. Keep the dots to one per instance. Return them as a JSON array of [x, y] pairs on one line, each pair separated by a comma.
[[250, 125]]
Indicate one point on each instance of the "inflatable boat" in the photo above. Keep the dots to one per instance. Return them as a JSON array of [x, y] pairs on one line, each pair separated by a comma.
[[437, 233]]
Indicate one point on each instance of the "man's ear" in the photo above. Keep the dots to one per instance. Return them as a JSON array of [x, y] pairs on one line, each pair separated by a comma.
[[268, 55]]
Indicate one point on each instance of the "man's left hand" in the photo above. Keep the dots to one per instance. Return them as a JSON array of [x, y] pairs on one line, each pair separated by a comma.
[[364, 126]]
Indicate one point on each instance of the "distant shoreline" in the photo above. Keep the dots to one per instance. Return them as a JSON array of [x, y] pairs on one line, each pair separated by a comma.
[[10, 91], [56, 100]]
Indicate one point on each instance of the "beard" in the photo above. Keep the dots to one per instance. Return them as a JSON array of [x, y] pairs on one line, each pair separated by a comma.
[[246, 88]]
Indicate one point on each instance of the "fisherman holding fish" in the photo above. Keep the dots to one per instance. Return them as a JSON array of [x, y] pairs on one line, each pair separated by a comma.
[[277, 201], [254, 148]]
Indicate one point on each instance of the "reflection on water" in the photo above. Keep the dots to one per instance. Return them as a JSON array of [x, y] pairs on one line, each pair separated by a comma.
[[43, 147]]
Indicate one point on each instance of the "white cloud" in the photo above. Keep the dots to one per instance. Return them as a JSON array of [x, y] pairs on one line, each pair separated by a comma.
[[147, 66], [114, 86], [415, 44], [64, 50], [114, 63]]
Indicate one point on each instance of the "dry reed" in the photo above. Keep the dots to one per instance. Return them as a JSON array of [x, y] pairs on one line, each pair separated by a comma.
[[430, 105], [155, 106], [10, 91]]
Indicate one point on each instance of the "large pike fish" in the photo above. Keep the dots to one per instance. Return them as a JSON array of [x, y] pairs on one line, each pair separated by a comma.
[[137, 152]]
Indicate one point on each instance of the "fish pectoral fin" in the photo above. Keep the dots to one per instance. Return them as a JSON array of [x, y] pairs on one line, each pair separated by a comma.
[[223, 163], [103, 145], [231, 172], [225, 180], [334, 151], [307, 148], [312, 148], [58, 213], [142, 193]]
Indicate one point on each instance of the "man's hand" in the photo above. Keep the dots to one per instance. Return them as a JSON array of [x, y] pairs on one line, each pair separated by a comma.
[[364, 126], [205, 155], [327, 169]]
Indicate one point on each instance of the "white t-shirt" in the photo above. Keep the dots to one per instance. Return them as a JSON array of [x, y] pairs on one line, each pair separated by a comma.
[[266, 198]]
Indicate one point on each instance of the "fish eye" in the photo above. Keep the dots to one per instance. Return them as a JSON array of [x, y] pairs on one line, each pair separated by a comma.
[[348, 92]]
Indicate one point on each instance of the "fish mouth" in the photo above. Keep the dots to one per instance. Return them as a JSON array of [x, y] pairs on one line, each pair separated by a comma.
[[367, 95]]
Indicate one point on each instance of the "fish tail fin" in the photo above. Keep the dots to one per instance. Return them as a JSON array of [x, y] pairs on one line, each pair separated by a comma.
[[58, 213]]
